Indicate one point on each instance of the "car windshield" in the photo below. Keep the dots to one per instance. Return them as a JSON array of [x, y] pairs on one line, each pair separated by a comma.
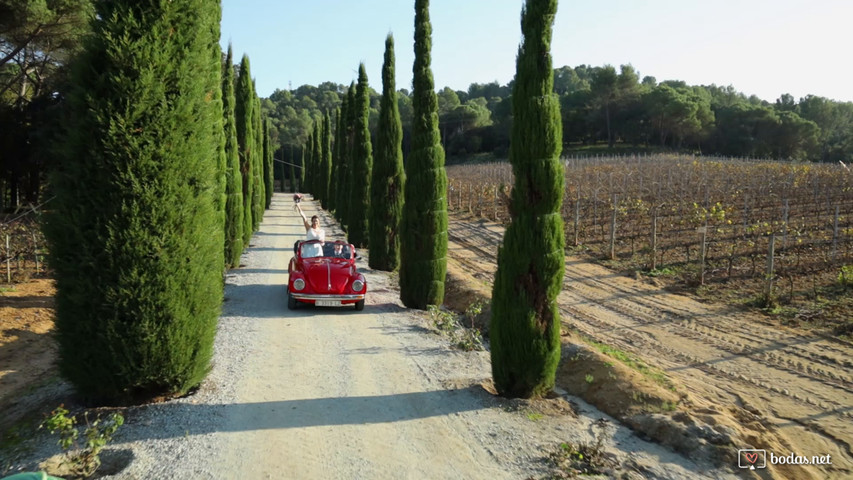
[[329, 249]]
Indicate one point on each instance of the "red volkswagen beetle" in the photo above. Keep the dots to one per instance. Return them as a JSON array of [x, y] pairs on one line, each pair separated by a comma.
[[324, 274]]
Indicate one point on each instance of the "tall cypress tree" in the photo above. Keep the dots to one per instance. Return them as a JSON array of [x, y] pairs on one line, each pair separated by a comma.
[[525, 325], [423, 243], [303, 169], [326, 163], [346, 157], [336, 163], [258, 183], [233, 178], [316, 159], [362, 165], [386, 186], [245, 139], [268, 164], [218, 126], [119, 246], [293, 181], [307, 150]]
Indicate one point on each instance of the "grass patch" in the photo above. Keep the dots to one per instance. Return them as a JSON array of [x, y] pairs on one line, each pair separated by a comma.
[[534, 416], [634, 363], [579, 459], [662, 272]]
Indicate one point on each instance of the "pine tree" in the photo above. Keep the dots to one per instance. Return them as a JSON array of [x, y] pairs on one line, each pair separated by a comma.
[[525, 325], [268, 164], [258, 183], [386, 185], [234, 182], [326, 163], [423, 242], [245, 139], [362, 165], [139, 280]]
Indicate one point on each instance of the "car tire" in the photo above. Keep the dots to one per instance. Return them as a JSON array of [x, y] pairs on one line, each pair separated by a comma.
[[359, 305], [291, 302]]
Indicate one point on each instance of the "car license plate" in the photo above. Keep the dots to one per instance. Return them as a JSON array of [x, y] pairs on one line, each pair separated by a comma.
[[328, 303]]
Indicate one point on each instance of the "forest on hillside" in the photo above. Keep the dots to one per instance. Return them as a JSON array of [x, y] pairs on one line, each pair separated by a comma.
[[603, 106]]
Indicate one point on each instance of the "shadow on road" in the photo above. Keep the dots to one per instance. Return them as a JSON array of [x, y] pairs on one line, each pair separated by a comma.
[[302, 413]]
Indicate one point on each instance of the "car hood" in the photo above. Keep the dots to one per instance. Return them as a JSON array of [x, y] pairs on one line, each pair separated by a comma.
[[326, 275]]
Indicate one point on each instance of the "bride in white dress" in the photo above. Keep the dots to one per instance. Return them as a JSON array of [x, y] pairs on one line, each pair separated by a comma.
[[312, 232]]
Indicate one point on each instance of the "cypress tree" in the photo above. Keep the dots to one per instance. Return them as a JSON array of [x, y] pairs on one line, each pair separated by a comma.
[[305, 176], [234, 182], [362, 165], [245, 139], [268, 165], [386, 185], [139, 281], [525, 324], [302, 168], [316, 159], [258, 183], [336, 160], [218, 126], [309, 162], [423, 243], [346, 157], [326, 163]]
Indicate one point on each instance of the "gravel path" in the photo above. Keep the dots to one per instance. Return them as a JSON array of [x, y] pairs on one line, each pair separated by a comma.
[[335, 393]]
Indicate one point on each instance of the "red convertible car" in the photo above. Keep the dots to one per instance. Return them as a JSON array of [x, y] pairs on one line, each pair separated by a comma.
[[324, 274]]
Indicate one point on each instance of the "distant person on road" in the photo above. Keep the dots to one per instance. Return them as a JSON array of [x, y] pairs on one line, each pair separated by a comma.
[[312, 232]]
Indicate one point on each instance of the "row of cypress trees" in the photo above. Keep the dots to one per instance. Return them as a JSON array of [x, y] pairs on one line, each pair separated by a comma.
[[407, 227], [149, 201], [367, 193], [158, 188]]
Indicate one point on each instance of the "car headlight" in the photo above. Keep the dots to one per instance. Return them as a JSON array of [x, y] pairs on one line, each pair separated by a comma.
[[298, 284], [357, 286]]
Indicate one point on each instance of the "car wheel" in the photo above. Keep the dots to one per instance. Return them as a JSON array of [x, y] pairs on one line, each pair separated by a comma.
[[291, 302], [359, 305]]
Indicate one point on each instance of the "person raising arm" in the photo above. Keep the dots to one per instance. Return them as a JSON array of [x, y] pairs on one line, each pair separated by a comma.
[[313, 232]]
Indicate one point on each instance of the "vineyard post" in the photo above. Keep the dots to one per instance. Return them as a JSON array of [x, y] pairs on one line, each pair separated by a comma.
[[768, 290], [613, 229], [835, 235], [36, 252], [470, 198], [577, 216], [703, 231], [654, 237], [8, 262], [785, 226], [496, 203]]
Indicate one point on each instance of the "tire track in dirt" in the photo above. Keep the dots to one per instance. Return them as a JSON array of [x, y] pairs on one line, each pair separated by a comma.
[[799, 384]]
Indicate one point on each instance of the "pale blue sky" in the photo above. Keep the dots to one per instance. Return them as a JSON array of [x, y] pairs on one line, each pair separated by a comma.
[[760, 47]]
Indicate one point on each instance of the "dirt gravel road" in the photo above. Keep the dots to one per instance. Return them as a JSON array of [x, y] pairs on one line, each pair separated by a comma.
[[780, 389], [335, 393]]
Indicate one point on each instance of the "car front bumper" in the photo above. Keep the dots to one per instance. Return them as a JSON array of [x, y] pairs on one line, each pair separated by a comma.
[[314, 297]]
